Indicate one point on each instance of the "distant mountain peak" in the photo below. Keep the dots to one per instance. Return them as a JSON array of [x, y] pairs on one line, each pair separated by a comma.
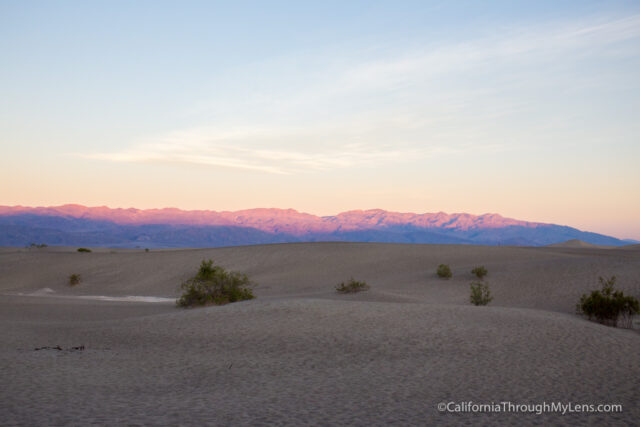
[[275, 219], [292, 225]]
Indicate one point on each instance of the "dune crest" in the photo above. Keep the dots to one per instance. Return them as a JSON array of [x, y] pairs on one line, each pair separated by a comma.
[[575, 243]]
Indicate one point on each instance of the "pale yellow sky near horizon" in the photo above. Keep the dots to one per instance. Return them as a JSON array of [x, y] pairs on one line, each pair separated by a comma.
[[192, 190]]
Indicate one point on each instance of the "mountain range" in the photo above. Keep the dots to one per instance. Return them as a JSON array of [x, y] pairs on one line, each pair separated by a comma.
[[170, 227]]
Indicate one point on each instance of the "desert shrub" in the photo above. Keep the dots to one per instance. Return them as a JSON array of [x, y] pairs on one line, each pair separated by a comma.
[[352, 286], [609, 306], [479, 272], [444, 271], [146, 249], [84, 250], [213, 285], [37, 245], [74, 279], [480, 294]]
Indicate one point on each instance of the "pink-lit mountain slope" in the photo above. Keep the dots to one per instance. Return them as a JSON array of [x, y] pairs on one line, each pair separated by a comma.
[[170, 227], [273, 220]]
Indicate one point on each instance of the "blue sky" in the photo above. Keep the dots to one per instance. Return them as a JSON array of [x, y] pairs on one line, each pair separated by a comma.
[[528, 109]]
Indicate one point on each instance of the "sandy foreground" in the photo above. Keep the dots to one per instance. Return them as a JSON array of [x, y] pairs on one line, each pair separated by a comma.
[[300, 354]]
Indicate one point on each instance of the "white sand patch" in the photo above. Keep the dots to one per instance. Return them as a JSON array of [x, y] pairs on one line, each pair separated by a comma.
[[42, 292], [48, 292], [131, 298]]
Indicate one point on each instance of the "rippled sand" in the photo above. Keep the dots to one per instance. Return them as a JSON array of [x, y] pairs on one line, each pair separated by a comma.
[[302, 354]]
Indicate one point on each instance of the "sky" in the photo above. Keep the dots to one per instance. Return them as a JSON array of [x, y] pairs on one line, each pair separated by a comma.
[[526, 109]]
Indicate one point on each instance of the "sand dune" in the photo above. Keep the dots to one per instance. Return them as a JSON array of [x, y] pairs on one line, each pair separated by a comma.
[[545, 278], [302, 354], [575, 243]]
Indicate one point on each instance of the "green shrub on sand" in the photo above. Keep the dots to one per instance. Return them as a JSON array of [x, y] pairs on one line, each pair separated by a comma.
[[352, 286], [213, 285], [74, 279], [480, 294], [444, 271], [609, 306], [479, 272]]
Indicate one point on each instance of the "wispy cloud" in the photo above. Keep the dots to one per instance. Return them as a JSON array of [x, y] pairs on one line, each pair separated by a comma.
[[246, 150], [393, 105], [433, 68]]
